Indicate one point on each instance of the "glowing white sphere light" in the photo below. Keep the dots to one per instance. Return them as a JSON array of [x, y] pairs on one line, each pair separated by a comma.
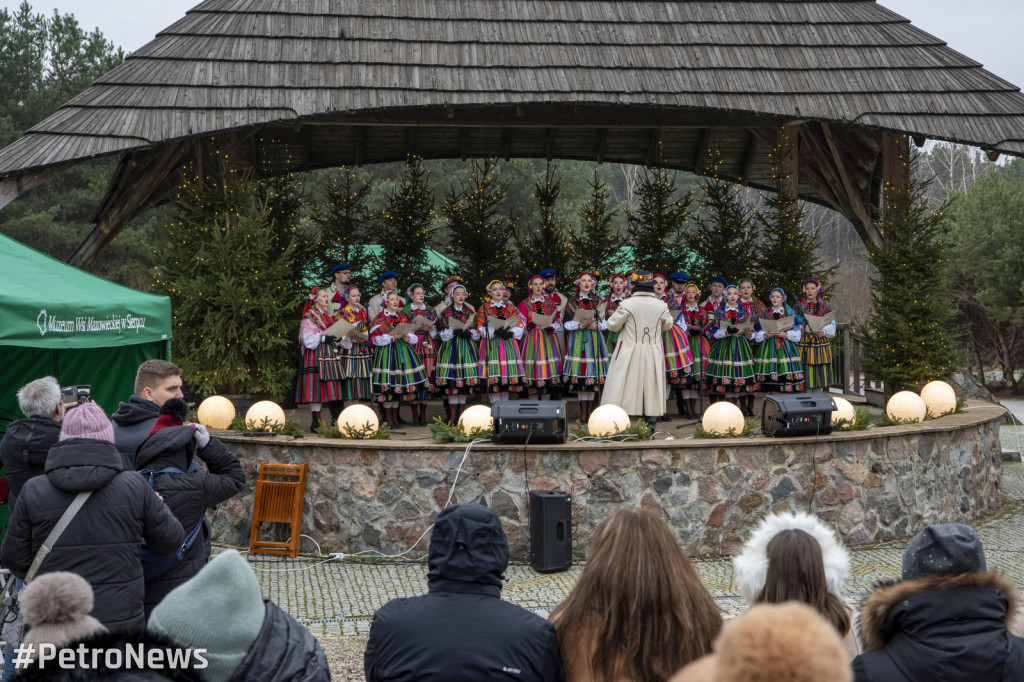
[[264, 409], [939, 398], [723, 417], [607, 420], [217, 412], [358, 417], [844, 410], [906, 406], [476, 417]]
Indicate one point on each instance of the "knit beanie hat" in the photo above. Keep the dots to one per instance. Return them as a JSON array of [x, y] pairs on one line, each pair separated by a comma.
[[771, 642], [943, 549], [56, 608], [172, 413], [87, 421], [221, 610]]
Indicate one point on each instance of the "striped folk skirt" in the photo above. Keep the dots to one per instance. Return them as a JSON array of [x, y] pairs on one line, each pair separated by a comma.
[[777, 366], [310, 388], [456, 371], [678, 358], [730, 367], [816, 356], [356, 363], [542, 360], [586, 360], [500, 367], [701, 350], [397, 372]]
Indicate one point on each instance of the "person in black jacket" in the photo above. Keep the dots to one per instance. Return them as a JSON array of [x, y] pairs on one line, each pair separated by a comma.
[[156, 382], [103, 542], [188, 494], [946, 620], [461, 629], [247, 638], [27, 440]]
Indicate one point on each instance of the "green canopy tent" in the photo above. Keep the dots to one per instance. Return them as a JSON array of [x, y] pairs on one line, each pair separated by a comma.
[[60, 321]]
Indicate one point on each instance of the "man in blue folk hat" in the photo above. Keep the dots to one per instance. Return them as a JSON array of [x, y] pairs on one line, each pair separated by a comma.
[[388, 282], [676, 298], [341, 274]]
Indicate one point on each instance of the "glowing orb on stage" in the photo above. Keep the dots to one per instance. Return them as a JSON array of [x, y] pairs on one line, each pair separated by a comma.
[[906, 406], [358, 418], [264, 409], [476, 417], [844, 410], [217, 412], [939, 398], [607, 420], [723, 417]]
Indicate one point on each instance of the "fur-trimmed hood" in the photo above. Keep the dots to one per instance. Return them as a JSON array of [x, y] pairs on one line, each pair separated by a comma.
[[949, 627], [750, 566], [874, 632]]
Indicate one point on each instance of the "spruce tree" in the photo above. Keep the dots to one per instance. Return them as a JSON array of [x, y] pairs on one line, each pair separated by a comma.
[[656, 231], [479, 233], [547, 245], [908, 338], [597, 244], [283, 195], [344, 221], [227, 270], [789, 252], [725, 238], [406, 227]]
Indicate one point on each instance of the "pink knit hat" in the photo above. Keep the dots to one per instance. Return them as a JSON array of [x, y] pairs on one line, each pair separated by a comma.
[[87, 421]]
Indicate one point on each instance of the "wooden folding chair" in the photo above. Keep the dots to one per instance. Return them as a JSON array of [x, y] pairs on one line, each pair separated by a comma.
[[278, 501]]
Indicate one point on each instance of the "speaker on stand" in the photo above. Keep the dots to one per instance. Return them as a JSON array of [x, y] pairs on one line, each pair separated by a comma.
[[550, 531]]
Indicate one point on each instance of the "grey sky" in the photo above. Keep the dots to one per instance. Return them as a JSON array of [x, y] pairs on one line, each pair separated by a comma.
[[988, 31]]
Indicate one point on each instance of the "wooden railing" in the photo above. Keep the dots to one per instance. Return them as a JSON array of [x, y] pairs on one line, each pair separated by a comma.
[[846, 349]]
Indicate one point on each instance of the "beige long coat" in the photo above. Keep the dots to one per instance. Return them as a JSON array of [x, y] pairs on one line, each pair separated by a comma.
[[636, 373]]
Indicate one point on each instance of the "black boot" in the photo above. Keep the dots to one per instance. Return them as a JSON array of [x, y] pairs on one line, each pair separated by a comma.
[[681, 408], [334, 407], [447, 410], [314, 423], [398, 415]]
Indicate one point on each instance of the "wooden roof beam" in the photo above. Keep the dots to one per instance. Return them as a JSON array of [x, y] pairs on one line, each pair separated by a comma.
[[13, 187]]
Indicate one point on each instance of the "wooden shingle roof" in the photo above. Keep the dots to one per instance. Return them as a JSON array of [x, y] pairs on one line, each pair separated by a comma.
[[357, 81]]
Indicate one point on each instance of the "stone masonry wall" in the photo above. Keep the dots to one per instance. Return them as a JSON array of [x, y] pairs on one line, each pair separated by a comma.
[[871, 486]]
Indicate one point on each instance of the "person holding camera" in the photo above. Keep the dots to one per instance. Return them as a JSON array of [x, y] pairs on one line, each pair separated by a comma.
[[156, 382], [24, 446]]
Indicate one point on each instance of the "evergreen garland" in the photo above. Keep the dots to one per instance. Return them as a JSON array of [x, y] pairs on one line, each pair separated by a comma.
[[407, 227], [908, 337], [597, 244], [479, 234], [228, 271]]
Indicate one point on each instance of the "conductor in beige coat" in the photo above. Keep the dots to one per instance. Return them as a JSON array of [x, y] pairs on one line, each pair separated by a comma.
[[636, 374]]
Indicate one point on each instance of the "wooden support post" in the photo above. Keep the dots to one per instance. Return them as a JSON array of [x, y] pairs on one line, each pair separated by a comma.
[[895, 162], [463, 142], [602, 143], [360, 141], [13, 187], [700, 159], [788, 150], [551, 144], [748, 157]]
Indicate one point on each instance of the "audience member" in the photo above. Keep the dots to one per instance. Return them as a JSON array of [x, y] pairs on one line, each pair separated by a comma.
[[27, 441], [945, 620], [102, 542], [156, 382], [794, 556], [786, 642], [461, 630], [56, 608], [190, 491], [247, 638], [639, 611]]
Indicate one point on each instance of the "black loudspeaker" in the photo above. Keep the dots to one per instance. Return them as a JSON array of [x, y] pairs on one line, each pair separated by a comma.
[[550, 531], [522, 421], [802, 414]]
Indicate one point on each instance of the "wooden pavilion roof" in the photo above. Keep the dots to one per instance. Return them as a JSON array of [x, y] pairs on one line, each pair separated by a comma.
[[355, 82]]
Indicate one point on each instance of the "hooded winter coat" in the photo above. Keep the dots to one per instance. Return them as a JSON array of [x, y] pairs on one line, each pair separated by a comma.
[[24, 448], [132, 423], [188, 495], [104, 540], [284, 651], [461, 630], [941, 627]]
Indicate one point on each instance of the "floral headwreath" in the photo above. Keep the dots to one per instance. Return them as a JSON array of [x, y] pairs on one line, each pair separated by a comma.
[[487, 296], [448, 300], [747, 279], [593, 274], [812, 281], [412, 287], [691, 284], [636, 278], [538, 276], [311, 299], [617, 275]]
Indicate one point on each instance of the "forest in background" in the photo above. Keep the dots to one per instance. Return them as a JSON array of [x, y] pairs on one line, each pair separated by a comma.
[[46, 60]]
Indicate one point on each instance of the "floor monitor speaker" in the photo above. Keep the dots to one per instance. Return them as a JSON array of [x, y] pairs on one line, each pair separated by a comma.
[[801, 414]]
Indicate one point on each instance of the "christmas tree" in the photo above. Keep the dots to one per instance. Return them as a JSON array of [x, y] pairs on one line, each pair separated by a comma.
[[725, 238], [344, 221], [227, 269], [789, 253], [656, 231], [546, 245], [407, 227], [908, 338], [597, 244], [479, 234]]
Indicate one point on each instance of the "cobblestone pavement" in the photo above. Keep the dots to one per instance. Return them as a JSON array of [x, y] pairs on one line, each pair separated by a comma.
[[338, 598]]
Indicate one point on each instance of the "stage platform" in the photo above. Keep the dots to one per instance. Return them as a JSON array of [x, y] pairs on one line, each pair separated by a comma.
[[875, 485]]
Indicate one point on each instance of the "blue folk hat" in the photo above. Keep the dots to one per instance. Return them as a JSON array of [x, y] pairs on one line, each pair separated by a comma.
[[718, 278], [339, 267], [547, 272], [387, 275], [680, 277]]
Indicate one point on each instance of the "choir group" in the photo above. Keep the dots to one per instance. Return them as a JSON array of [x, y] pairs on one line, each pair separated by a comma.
[[397, 349]]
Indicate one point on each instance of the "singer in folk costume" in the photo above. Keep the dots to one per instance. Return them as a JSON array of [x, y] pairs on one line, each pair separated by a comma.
[[636, 373]]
